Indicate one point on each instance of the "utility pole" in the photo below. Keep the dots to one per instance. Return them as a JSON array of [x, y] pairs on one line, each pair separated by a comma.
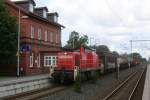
[[131, 44], [18, 52], [131, 54], [118, 66], [73, 43]]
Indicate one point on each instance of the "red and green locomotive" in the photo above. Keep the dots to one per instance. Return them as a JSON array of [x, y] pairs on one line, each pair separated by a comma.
[[70, 63]]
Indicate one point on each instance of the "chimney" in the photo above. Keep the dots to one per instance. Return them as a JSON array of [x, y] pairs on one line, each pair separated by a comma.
[[41, 11], [53, 17], [28, 5]]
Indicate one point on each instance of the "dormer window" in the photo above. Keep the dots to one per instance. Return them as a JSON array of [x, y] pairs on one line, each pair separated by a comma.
[[27, 5], [53, 17], [44, 14], [41, 11], [31, 9]]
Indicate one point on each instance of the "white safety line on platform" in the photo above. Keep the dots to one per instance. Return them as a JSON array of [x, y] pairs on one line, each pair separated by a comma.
[[146, 92]]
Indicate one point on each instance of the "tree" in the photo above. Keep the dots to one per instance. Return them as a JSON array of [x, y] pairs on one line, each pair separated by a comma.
[[83, 40], [101, 48], [135, 55], [75, 40], [8, 36], [115, 53]]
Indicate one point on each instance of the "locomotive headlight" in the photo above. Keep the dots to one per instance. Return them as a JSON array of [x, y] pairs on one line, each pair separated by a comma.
[[65, 53]]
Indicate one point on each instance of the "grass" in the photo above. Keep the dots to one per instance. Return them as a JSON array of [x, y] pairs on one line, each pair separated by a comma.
[[77, 84], [3, 77]]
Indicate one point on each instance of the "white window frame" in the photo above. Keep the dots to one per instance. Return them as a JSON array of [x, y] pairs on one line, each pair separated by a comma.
[[55, 18], [59, 38], [39, 60], [51, 36], [39, 34], [44, 14], [31, 7], [53, 60], [32, 31], [46, 35], [31, 61], [56, 38], [50, 61], [46, 61]]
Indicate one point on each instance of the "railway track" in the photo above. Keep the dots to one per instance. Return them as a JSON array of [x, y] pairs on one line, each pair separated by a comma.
[[126, 90], [138, 88], [37, 94]]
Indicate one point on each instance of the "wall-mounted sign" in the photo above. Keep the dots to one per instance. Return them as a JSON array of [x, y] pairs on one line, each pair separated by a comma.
[[25, 47]]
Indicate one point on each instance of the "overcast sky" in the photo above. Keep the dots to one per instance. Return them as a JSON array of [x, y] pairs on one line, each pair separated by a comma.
[[108, 22]]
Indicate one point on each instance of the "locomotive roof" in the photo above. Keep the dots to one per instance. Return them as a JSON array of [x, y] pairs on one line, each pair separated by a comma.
[[77, 49]]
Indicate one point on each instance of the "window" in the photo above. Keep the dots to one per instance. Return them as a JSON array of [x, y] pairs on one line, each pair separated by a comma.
[[50, 61], [38, 60], [56, 38], [54, 60], [39, 34], [59, 38], [47, 61], [44, 14], [55, 18], [31, 7], [31, 60], [32, 32], [46, 35], [51, 37]]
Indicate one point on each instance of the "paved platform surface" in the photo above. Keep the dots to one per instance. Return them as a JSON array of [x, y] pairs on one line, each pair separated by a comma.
[[146, 92], [10, 80]]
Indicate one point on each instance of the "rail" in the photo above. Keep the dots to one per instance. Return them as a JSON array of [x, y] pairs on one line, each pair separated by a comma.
[[33, 95], [123, 84], [135, 87]]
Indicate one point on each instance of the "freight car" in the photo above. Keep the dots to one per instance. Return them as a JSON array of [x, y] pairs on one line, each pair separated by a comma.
[[123, 62], [69, 63], [109, 62], [135, 62]]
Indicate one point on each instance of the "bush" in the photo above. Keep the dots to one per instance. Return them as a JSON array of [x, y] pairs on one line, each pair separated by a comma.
[[77, 84], [95, 76]]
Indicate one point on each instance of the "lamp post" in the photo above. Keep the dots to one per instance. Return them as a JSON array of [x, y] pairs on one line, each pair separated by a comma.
[[18, 50]]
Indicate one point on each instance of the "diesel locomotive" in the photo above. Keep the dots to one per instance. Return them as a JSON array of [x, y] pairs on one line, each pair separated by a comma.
[[70, 63], [87, 62]]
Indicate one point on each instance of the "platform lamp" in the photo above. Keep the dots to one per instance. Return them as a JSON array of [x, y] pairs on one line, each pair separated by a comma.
[[18, 50]]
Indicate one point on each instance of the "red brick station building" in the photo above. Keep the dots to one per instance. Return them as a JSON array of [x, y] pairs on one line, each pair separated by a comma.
[[40, 36]]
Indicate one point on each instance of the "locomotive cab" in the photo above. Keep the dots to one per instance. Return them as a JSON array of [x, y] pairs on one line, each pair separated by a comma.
[[67, 66]]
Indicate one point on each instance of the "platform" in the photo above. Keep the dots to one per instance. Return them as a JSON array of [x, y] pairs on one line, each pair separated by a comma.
[[10, 80], [15, 85], [146, 91]]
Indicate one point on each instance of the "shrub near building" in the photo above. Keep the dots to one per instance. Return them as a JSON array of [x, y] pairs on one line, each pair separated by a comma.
[[8, 36]]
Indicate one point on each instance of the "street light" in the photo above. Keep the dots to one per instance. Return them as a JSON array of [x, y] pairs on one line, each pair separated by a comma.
[[18, 50]]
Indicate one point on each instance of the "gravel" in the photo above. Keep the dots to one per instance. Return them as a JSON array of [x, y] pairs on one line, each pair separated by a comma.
[[91, 91]]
